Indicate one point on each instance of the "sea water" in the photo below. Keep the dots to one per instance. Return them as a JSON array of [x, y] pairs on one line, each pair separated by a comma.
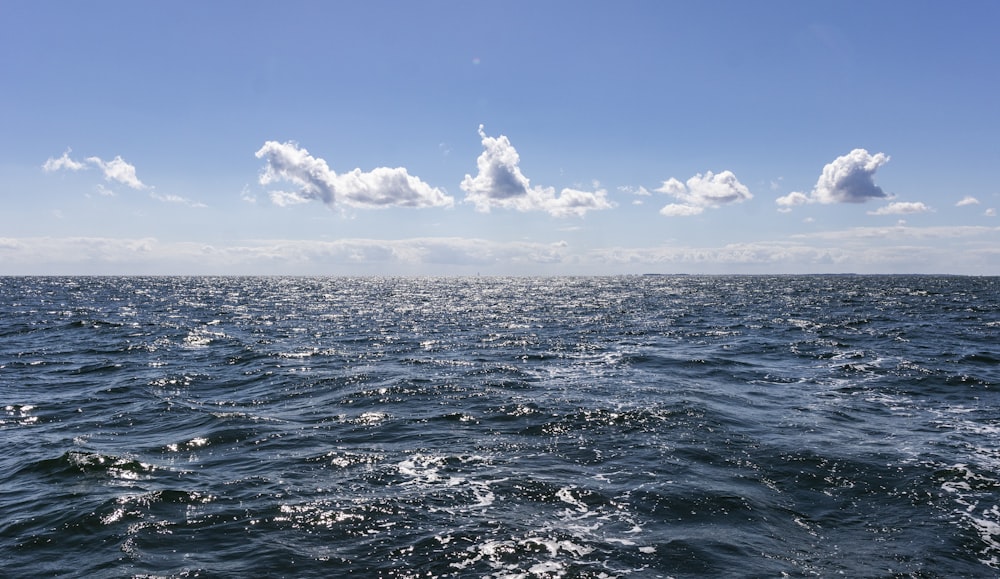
[[641, 426]]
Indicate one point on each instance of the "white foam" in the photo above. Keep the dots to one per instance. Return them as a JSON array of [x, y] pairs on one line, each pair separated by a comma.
[[200, 338], [484, 496], [967, 491], [421, 468], [372, 418], [566, 495], [547, 568], [495, 552]]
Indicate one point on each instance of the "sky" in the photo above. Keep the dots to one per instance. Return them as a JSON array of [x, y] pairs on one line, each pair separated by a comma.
[[499, 138]]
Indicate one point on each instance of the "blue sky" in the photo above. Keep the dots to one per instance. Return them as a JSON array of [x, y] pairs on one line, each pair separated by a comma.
[[450, 138]]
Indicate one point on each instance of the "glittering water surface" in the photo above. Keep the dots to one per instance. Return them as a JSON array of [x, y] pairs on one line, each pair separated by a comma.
[[500, 427]]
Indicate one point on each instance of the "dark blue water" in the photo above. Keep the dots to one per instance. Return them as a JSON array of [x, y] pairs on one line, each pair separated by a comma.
[[500, 427]]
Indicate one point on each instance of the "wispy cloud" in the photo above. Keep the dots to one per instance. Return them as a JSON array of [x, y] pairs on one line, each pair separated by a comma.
[[865, 249], [76, 254], [897, 248], [118, 171], [114, 170], [177, 199], [640, 191], [500, 184], [111, 255], [901, 208], [772, 256], [902, 232], [380, 187], [849, 178], [710, 190], [247, 197], [63, 163], [680, 210]]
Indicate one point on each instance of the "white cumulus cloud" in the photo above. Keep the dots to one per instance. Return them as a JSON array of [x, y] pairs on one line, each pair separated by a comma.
[[849, 178], [967, 200], [380, 187], [116, 169], [500, 183], [901, 208], [791, 200], [703, 191]]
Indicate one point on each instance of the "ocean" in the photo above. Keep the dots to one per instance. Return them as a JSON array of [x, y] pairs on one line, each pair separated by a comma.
[[637, 426]]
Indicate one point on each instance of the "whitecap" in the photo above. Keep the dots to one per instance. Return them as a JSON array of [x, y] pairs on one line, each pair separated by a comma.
[[566, 495]]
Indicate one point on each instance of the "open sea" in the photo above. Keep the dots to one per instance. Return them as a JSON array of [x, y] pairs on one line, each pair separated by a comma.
[[640, 426]]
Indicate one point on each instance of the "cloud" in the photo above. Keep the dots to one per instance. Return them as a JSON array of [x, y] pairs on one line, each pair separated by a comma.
[[901, 208], [679, 210], [990, 212], [848, 179], [640, 191], [287, 198], [114, 170], [500, 183], [177, 199], [703, 191], [75, 255], [247, 197], [378, 188], [118, 170], [791, 200], [63, 162], [889, 249], [865, 234], [967, 200], [768, 255]]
